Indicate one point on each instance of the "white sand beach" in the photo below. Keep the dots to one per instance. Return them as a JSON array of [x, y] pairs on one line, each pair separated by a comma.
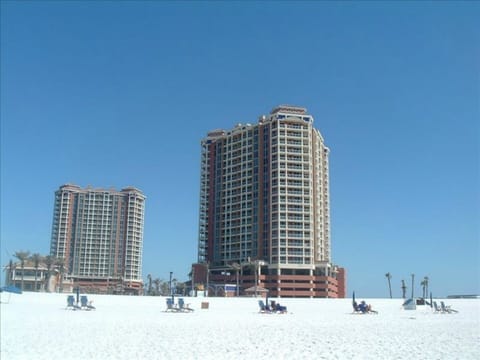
[[37, 326]]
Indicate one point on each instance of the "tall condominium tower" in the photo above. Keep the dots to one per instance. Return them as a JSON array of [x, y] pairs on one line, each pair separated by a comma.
[[99, 235], [264, 204]]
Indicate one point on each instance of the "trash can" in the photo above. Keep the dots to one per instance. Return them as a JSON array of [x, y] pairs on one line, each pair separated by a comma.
[[204, 305]]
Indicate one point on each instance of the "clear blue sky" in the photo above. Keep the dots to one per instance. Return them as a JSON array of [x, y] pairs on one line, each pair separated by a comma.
[[121, 93]]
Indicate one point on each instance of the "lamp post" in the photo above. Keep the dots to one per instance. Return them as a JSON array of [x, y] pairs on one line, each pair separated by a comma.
[[237, 288], [208, 279], [258, 263], [237, 268], [389, 276], [171, 289], [193, 282], [225, 274], [413, 277], [256, 276]]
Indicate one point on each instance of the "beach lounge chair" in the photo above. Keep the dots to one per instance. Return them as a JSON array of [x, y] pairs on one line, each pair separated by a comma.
[[436, 308], [410, 304], [276, 307], [363, 308], [171, 305], [71, 303], [263, 308], [359, 308], [183, 307], [447, 309], [356, 308], [280, 309], [85, 304]]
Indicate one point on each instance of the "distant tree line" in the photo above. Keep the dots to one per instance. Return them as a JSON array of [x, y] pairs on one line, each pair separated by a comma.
[[424, 284], [160, 287], [51, 264]]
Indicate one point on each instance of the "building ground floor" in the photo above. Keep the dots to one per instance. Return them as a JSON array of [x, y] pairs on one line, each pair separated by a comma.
[[324, 281], [103, 285], [40, 279]]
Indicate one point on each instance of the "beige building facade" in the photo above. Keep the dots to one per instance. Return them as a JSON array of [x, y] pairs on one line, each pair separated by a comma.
[[265, 206], [99, 235]]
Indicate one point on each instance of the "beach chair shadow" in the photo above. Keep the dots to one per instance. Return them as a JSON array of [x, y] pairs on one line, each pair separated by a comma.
[[71, 303], [447, 309], [85, 304], [184, 307]]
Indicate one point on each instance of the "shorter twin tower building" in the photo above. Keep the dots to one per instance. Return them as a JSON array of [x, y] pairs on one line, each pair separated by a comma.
[[99, 235]]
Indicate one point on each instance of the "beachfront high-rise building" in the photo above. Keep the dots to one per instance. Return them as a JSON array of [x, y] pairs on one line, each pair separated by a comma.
[[99, 235], [265, 206]]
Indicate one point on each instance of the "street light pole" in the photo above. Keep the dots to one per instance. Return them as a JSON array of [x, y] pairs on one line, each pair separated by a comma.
[[225, 274], [258, 263], [171, 290], [413, 277], [208, 275], [256, 276], [193, 282], [237, 284]]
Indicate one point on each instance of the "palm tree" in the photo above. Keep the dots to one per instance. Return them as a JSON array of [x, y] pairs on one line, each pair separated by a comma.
[[173, 289], [60, 263], [425, 279], [164, 288], [181, 287], [22, 256], [149, 291], [389, 276], [49, 262], [36, 258], [11, 267], [423, 287], [413, 278], [157, 283], [191, 276], [404, 289], [236, 267]]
